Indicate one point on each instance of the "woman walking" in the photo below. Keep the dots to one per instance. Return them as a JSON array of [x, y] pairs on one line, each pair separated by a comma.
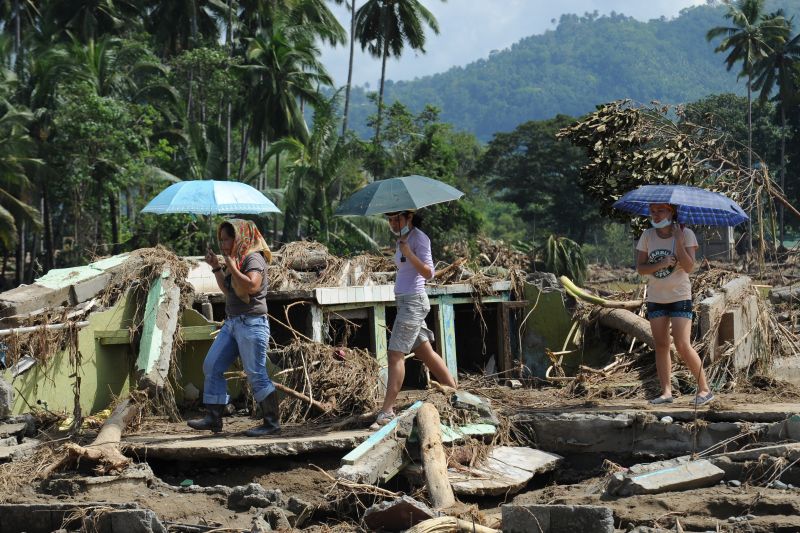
[[666, 255], [245, 333], [409, 332]]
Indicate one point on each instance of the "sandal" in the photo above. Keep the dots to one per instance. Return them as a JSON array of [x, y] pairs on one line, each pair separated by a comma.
[[661, 399], [702, 400]]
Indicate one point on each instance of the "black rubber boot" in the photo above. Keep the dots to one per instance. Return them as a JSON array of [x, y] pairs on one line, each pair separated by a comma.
[[272, 418], [212, 421]]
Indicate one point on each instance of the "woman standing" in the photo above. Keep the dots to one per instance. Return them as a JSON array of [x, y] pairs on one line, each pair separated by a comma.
[[409, 332], [245, 333], [667, 256]]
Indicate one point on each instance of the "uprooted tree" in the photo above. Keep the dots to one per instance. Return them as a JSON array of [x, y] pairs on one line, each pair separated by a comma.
[[629, 145]]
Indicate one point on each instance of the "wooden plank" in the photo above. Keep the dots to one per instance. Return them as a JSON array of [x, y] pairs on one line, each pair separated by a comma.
[[447, 332], [113, 336], [379, 343], [197, 333], [380, 435], [314, 323]]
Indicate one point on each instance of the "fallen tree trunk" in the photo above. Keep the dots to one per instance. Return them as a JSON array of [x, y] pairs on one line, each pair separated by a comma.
[[629, 323], [433, 457], [104, 450], [449, 524]]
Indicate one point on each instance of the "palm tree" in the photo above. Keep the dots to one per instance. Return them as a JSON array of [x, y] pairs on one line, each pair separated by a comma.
[[18, 15], [282, 68], [16, 162], [315, 166], [92, 19], [748, 40], [178, 25], [384, 27], [352, 7], [779, 67]]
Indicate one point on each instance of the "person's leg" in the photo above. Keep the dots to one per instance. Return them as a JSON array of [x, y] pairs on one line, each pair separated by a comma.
[[425, 353], [681, 333], [220, 356], [394, 381], [252, 338], [659, 326]]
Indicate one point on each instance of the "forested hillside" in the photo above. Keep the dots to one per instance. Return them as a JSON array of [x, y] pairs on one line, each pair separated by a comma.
[[584, 61]]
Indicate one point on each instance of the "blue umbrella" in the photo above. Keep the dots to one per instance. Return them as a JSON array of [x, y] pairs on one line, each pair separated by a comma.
[[208, 197], [695, 205], [398, 194]]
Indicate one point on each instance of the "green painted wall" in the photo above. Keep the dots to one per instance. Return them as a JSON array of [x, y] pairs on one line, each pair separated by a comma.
[[104, 371]]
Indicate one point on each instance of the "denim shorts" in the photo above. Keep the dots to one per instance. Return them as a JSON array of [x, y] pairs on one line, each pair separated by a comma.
[[681, 309]]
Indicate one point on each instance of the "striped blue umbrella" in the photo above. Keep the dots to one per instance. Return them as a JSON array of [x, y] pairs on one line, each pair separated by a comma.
[[695, 205], [209, 197], [407, 193]]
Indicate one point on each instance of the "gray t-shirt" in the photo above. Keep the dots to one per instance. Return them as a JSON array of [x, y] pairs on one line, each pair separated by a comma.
[[258, 302]]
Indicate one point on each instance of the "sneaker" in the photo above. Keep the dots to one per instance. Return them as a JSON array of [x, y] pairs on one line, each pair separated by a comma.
[[382, 419], [702, 400]]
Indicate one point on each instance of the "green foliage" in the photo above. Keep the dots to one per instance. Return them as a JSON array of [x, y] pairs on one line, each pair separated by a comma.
[[564, 257], [530, 168], [610, 244]]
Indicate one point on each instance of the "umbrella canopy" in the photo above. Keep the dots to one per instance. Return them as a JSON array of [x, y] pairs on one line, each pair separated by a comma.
[[695, 205], [398, 194], [208, 197]]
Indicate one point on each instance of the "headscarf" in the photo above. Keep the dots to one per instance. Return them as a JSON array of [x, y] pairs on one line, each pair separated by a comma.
[[246, 240]]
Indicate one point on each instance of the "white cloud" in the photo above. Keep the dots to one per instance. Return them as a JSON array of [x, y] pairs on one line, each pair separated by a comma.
[[470, 29]]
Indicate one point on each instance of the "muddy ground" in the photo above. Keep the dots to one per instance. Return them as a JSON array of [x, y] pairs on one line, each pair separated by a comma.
[[579, 481]]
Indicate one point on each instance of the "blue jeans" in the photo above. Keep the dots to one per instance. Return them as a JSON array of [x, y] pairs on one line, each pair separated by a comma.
[[245, 336]]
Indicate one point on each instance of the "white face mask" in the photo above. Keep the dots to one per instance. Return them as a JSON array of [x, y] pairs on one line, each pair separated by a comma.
[[403, 231], [663, 224]]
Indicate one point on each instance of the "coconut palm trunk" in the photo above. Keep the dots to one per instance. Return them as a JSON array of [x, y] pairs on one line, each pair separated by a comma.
[[349, 66]]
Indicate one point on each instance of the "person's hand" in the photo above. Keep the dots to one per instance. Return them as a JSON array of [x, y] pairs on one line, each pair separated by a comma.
[[403, 243], [668, 261], [677, 232], [212, 258], [230, 264]]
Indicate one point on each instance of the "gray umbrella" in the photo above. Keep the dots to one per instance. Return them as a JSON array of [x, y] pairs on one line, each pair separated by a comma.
[[398, 194]]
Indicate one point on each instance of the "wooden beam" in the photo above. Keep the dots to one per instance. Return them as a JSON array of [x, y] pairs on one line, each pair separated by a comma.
[[378, 341], [382, 434]]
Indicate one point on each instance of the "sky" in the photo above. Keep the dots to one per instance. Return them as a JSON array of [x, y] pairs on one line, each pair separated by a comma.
[[471, 29]]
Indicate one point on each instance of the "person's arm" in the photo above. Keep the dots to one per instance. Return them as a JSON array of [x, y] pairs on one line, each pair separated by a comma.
[[685, 254], [243, 282], [645, 268], [216, 269], [419, 265]]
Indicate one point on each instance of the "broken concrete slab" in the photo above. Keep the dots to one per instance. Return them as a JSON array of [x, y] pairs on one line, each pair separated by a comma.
[[787, 368], [466, 400], [189, 447], [161, 314], [396, 515], [556, 518], [35, 517], [26, 448], [629, 432], [790, 451], [685, 476], [506, 470], [12, 430]]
